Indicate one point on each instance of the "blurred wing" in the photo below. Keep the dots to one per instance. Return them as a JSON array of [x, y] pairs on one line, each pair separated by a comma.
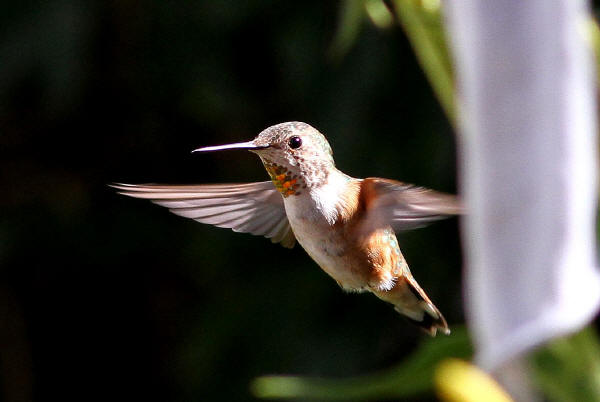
[[404, 206], [255, 208]]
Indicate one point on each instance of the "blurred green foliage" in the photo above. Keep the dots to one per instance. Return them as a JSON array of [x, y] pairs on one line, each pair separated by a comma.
[[411, 378], [568, 369], [422, 22]]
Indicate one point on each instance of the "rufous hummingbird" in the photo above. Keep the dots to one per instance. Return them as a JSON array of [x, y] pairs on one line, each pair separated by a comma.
[[346, 225]]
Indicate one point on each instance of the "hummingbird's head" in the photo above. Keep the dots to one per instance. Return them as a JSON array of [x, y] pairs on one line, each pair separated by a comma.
[[295, 154]]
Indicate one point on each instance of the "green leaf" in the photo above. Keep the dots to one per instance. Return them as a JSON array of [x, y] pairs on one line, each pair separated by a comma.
[[422, 23], [351, 18], [412, 377], [568, 369]]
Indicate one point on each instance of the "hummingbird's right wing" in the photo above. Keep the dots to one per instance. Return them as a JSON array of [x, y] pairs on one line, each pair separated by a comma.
[[404, 206], [255, 208]]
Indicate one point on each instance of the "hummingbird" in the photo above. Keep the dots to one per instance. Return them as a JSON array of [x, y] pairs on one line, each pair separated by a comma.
[[346, 225]]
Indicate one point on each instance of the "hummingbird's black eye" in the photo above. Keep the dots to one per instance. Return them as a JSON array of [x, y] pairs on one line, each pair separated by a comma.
[[295, 142]]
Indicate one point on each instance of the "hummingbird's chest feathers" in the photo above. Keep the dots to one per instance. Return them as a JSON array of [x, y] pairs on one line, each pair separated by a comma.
[[334, 202], [322, 220]]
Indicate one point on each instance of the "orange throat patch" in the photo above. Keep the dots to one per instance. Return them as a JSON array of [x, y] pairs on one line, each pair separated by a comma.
[[285, 183]]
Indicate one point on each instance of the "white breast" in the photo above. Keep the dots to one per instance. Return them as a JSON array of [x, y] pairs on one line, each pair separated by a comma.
[[312, 216]]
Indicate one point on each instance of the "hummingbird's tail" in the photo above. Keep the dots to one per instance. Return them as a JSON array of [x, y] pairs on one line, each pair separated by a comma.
[[428, 317], [412, 302], [429, 323]]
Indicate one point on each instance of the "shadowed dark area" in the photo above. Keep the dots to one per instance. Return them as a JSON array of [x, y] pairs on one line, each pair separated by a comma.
[[103, 297]]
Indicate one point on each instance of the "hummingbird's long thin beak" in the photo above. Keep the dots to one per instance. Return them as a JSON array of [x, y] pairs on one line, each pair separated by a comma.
[[249, 145]]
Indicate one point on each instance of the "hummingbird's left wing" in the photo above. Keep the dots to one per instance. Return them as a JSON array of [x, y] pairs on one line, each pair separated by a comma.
[[255, 208], [404, 206]]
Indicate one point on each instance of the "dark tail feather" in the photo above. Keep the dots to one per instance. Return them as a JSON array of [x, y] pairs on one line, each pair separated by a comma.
[[432, 319], [430, 324]]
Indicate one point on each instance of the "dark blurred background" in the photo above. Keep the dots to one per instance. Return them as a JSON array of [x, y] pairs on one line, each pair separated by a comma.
[[103, 297]]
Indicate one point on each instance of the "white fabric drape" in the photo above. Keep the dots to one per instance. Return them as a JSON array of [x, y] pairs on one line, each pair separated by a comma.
[[528, 149]]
